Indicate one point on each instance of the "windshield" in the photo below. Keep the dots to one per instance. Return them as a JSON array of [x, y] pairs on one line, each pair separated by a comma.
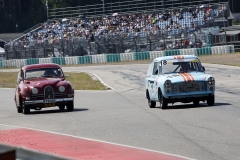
[[43, 72], [181, 65]]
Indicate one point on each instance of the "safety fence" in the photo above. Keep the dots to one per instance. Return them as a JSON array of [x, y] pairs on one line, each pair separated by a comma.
[[108, 58]]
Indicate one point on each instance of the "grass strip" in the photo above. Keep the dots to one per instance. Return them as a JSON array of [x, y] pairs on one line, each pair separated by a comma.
[[80, 81]]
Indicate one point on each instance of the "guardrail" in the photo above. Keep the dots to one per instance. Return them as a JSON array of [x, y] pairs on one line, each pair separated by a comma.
[[108, 58]]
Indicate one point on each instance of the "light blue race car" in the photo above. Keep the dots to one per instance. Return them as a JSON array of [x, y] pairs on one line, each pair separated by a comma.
[[181, 78]]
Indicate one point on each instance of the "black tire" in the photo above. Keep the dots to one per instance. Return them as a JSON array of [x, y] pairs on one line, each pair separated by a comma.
[[211, 100], [70, 106], [151, 104], [19, 110], [163, 101], [26, 109], [62, 107], [195, 102]]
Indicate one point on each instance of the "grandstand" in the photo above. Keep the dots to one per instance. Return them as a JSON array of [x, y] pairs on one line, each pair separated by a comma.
[[124, 26]]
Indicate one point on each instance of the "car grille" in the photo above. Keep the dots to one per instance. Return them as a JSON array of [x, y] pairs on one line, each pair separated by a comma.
[[41, 96], [187, 87], [48, 92]]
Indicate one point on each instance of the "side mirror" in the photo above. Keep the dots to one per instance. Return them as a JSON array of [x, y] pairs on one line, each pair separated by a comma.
[[66, 75], [19, 79]]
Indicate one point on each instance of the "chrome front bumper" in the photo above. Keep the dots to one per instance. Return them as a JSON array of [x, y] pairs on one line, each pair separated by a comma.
[[41, 101]]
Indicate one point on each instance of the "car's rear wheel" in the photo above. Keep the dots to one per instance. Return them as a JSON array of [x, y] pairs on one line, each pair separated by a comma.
[[61, 107], [26, 109], [211, 100], [163, 101], [70, 106]]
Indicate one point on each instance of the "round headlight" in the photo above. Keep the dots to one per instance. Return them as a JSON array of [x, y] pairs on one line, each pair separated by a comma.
[[167, 84], [61, 89], [211, 81], [35, 91]]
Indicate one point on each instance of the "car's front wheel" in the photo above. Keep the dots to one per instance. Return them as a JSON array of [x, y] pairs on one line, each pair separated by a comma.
[[195, 102], [211, 100], [70, 106], [19, 108], [151, 104], [163, 101], [61, 107], [26, 109]]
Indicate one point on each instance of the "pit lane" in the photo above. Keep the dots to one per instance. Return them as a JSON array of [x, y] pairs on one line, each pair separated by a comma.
[[122, 115]]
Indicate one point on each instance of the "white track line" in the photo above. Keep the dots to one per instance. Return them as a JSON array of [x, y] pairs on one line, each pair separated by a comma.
[[102, 81], [90, 139]]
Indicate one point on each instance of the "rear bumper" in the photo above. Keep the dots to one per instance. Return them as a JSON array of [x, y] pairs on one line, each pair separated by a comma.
[[41, 101]]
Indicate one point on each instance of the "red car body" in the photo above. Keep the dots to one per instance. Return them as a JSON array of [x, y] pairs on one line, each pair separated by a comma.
[[41, 86]]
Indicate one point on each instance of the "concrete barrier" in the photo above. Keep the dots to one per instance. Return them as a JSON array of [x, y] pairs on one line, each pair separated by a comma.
[[105, 58]]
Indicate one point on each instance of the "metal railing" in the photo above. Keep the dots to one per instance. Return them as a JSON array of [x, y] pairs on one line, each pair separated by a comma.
[[126, 7]]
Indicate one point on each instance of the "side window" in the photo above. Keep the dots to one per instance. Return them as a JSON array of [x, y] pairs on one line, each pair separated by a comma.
[[19, 76], [155, 68], [21, 73], [150, 68]]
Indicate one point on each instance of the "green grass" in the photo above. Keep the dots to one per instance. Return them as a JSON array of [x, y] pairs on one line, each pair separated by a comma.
[[8, 79], [80, 81]]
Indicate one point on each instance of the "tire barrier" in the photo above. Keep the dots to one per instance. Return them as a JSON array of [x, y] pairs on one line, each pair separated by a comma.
[[45, 60], [155, 54], [100, 58], [59, 60], [113, 57], [108, 58], [223, 49], [71, 60], [191, 51], [204, 51], [142, 55], [127, 56], [32, 61], [84, 59], [171, 52]]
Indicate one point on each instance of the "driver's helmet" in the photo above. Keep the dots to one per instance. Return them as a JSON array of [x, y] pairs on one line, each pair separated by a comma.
[[185, 66], [49, 72]]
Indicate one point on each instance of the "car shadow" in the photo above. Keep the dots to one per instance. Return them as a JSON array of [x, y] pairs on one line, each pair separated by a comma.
[[190, 106], [57, 111]]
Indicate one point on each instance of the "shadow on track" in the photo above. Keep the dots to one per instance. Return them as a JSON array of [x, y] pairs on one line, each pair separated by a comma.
[[192, 106], [56, 111]]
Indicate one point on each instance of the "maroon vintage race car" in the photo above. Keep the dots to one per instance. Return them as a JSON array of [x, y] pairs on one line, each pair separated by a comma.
[[41, 86]]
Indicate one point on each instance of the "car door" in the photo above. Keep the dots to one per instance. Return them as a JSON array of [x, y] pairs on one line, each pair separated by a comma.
[[152, 78], [18, 87]]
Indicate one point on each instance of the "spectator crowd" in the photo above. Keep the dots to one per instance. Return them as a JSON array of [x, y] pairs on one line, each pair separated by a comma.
[[170, 22]]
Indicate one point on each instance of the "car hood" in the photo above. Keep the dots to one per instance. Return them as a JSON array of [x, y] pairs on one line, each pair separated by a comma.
[[40, 83], [186, 77]]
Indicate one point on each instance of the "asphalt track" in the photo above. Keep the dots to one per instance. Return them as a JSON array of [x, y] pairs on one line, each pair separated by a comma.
[[122, 118]]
